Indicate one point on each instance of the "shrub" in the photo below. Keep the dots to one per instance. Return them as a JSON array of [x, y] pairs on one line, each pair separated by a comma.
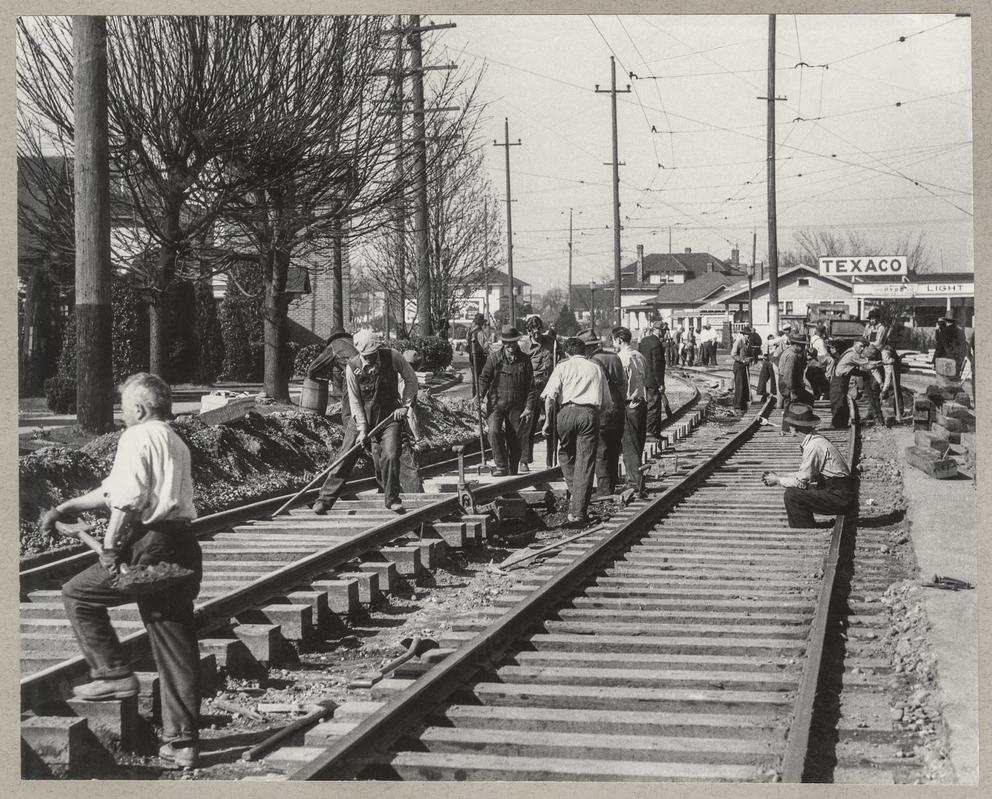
[[435, 352], [130, 331], [60, 392], [305, 357], [240, 319]]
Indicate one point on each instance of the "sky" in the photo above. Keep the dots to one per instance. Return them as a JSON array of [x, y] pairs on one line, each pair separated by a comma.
[[873, 134]]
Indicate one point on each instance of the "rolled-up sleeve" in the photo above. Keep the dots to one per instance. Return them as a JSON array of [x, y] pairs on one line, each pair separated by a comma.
[[355, 398], [410, 382], [809, 468], [129, 484], [553, 388]]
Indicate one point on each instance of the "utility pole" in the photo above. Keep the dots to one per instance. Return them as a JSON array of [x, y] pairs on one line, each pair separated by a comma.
[[485, 254], [613, 92], [94, 371], [506, 143], [750, 277], [400, 199], [772, 216], [420, 181], [569, 295]]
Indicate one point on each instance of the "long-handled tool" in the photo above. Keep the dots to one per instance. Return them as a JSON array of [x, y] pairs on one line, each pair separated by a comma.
[[337, 462], [318, 712], [478, 408]]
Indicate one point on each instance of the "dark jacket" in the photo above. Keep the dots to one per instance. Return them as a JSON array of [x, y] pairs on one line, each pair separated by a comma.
[[654, 358], [330, 364], [616, 377], [509, 383]]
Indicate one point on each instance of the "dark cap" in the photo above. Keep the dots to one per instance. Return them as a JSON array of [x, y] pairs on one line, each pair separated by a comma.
[[509, 334], [587, 337], [336, 333]]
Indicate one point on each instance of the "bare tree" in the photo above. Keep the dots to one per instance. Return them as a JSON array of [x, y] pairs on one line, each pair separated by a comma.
[[552, 301], [815, 243]]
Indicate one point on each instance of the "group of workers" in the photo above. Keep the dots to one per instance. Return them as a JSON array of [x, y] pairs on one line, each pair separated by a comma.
[[602, 405]]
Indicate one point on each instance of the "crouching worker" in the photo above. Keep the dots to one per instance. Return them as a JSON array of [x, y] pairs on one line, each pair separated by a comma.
[[373, 393], [823, 483], [149, 494]]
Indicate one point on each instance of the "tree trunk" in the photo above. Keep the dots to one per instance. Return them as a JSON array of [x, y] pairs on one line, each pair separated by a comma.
[[158, 313], [37, 340], [275, 311], [337, 275], [94, 367]]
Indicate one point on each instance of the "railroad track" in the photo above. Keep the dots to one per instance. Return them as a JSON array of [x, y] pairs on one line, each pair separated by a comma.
[[291, 572], [683, 644]]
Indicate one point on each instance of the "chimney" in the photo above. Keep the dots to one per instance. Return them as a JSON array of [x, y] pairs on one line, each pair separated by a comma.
[[735, 257], [640, 264], [709, 266], [688, 250]]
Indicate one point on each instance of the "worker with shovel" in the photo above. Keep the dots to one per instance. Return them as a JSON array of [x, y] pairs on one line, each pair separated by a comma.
[[149, 493]]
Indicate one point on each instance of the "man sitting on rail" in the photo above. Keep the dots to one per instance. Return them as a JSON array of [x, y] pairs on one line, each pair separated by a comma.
[[823, 483], [149, 493], [580, 388], [507, 382], [373, 391]]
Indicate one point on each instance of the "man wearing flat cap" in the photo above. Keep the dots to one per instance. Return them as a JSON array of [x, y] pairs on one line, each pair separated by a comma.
[[507, 382], [852, 363], [612, 421], [373, 377], [823, 483]]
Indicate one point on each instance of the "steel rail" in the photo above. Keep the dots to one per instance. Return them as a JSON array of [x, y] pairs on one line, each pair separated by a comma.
[[51, 682], [384, 726]]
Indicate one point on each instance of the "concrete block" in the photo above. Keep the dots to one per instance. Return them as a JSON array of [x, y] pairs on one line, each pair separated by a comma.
[[926, 440], [921, 404], [115, 722], [327, 732], [406, 559], [453, 534], [535, 498], [478, 524], [956, 409], [342, 595], [954, 436], [924, 460], [510, 508], [295, 621], [388, 575], [947, 422], [262, 640], [355, 711], [432, 552], [317, 600], [231, 654], [368, 585], [57, 741], [945, 367], [385, 689]]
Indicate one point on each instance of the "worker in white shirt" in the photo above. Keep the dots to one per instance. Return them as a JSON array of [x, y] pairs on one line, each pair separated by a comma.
[[579, 387], [635, 430], [818, 364]]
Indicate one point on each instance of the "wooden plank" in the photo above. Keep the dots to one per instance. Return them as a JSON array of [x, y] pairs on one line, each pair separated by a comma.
[[634, 660], [634, 678], [426, 765]]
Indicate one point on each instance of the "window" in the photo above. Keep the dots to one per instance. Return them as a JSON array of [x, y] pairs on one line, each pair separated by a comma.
[[788, 308], [803, 281]]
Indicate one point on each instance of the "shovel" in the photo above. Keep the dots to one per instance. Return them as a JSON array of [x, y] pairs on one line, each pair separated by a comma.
[[135, 580]]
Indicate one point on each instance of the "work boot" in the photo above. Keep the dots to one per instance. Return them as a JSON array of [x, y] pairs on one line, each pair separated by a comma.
[[523, 468], [396, 507], [105, 690], [497, 472], [320, 507], [185, 756]]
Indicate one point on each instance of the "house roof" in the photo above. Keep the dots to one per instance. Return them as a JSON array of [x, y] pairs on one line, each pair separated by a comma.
[[497, 277], [697, 290], [738, 292]]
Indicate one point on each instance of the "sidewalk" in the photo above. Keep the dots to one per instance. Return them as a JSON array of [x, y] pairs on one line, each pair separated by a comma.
[[943, 518]]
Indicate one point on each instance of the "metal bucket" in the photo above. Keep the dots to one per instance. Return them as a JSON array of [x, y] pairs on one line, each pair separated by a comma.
[[314, 396]]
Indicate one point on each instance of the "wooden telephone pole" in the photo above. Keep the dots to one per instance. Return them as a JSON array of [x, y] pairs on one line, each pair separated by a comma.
[[94, 370], [507, 144], [613, 92]]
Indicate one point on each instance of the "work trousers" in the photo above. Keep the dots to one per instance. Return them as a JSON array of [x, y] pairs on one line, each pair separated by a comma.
[[386, 460], [657, 401], [608, 454], [742, 389], [834, 496], [818, 382], [167, 616], [578, 433], [689, 356], [335, 481], [535, 423], [839, 409], [767, 384], [506, 435], [634, 433]]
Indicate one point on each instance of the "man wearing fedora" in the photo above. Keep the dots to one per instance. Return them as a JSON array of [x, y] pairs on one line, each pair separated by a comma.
[[507, 382], [652, 347], [823, 483], [791, 384], [579, 388], [373, 377], [330, 365], [542, 349]]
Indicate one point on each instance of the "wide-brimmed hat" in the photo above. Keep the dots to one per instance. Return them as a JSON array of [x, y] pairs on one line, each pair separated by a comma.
[[657, 323], [534, 322], [798, 340], [366, 341], [800, 416], [336, 333], [587, 337], [479, 319], [510, 333]]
